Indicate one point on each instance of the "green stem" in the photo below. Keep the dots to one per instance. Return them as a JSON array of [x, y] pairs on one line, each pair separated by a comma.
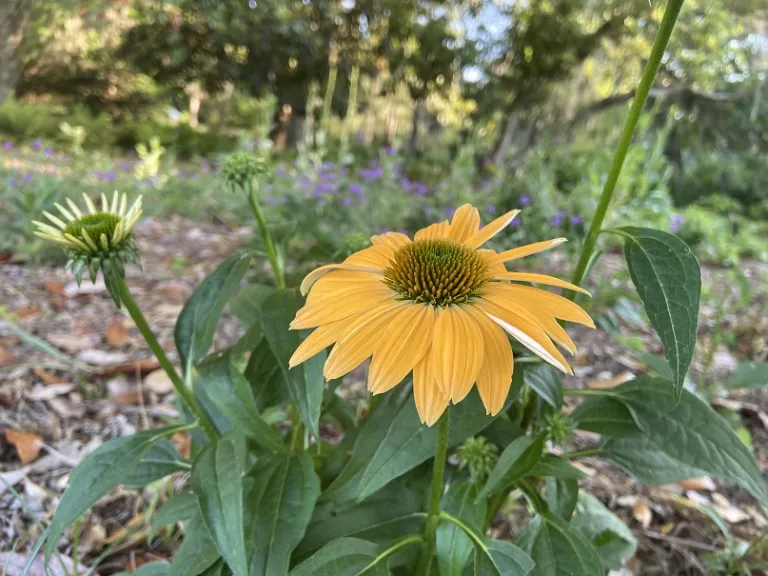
[[274, 257], [643, 89], [149, 336], [533, 496], [586, 392], [407, 541], [438, 471], [594, 451]]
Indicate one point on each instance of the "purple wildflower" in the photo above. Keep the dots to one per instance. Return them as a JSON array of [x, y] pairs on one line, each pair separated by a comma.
[[676, 222], [491, 208], [356, 190], [110, 176], [449, 212], [525, 200], [516, 223], [280, 171], [13, 182], [385, 230], [27, 178], [557, 221], [126, 166], [48, 152], [37, 144], [371, 174], [323, 188], [347, 201], [389, 150], [576, 220], [8, 145], [419, 188]]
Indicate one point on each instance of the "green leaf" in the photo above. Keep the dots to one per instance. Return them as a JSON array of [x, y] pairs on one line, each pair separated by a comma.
[[280, 504], [180, 508], [558, 549], [562, 496], [606, 416], [645, 460], [217, 479], [408, 442], [230, 392], [151, 569], [500, 558], [545, 381], [343, 557], [556, 467], [248, 341], [368, 440], [200, 316], [453, 547], [517, 460], [392, 512], [197, 552], [246, 304], [667, 278], [749, 375], [161, 460], [690, 433], [95, 476], [266, 378], [612, 539], [305, 382]]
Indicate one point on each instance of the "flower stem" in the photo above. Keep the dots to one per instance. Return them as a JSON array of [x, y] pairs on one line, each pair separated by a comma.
[[594, 451], [643, 89], [149, 336], [438, 471], [274, 257]]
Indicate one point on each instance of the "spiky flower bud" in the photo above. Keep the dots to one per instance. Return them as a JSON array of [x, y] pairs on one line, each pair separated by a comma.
[[479, 456], [241, 168], [97, 240], [557, 428]]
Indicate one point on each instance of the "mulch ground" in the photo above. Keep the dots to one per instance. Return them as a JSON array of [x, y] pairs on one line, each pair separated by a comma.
[[102, 382]]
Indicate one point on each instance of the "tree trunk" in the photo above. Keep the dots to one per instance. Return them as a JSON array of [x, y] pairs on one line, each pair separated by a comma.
[[504, 143], [13, 19], [195, 93], [294, 132], [418, 112]]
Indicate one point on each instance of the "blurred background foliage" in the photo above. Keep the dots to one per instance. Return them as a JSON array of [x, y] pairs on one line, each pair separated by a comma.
[[385, 113]]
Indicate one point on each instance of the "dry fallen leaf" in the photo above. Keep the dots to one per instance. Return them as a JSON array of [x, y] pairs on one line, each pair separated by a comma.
[[158, 382], [48, 392], [6, 358], [73, 343], [27, 444], [620, 378], [54, 286], [101, 358], [117, 333], [26, 312], [12, 477], [728, 511], [183, 443], [642, 513], [72, 289], [141, 367], [47, 377]]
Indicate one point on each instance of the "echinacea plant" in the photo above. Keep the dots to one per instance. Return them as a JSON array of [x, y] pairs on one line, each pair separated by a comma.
[[465, 361]]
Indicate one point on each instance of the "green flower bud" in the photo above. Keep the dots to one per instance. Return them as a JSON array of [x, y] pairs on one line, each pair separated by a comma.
[[241, 168], [479, 456]]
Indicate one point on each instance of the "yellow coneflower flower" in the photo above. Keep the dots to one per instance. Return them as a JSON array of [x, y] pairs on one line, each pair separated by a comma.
[[97, 231], [439, 306]]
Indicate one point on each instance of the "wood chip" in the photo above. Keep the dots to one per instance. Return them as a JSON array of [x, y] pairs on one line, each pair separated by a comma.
[[13, 477], [53, 286], [601, 383], [48, 392], [702, 483], [141, 367], [642, 513], [72, 289], [48, 377], [117, 333], [73, 343], [27, 444], [101, 358], [728, 511], [158, 382], [6, 358]]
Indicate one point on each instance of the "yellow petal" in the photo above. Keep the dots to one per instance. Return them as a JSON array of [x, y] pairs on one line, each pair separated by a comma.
[[558, 306], [494, 292], [394, 240], [437, 230], [374, 257], [319, 340], [360, 338], [318, 273], [457, 351], [340, 280], [465, 223], [528, 334], [487, 232], [527, 250], [407, 339], [430, 400], [495, 376], [539, 279], [337, 306], [494, 267]]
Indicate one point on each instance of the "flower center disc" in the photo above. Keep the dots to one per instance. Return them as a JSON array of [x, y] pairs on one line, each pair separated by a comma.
[[95, 225], [439, 272]]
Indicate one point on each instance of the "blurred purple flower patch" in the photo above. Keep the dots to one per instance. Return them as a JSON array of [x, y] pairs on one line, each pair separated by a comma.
[[525, 200], [676, 222]]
